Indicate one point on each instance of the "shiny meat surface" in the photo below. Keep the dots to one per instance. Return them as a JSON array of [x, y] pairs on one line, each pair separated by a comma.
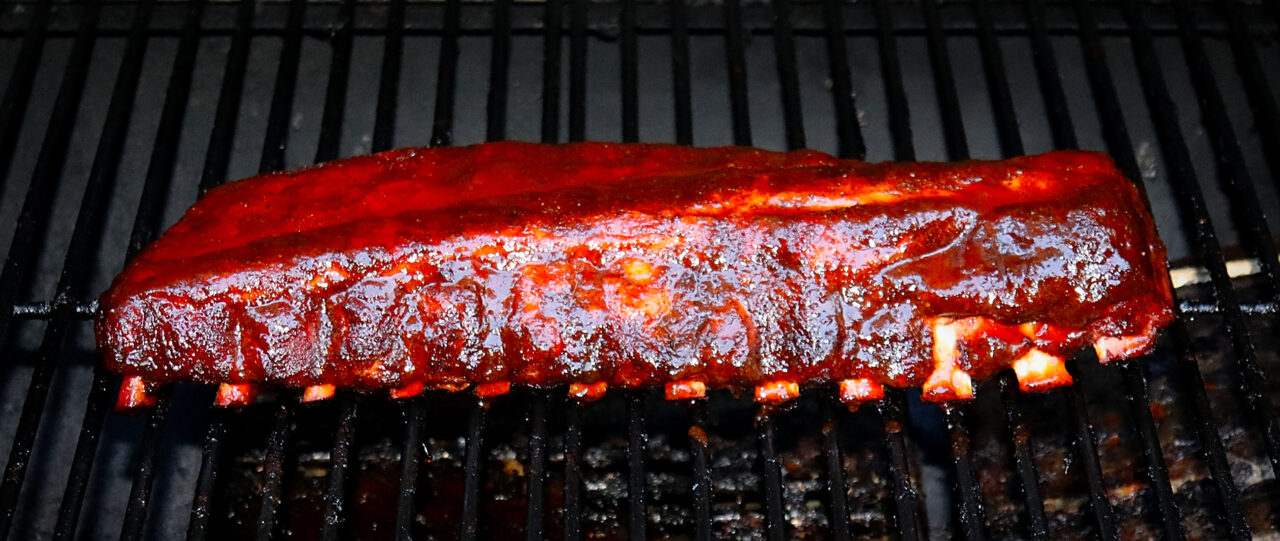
[[638, 265]]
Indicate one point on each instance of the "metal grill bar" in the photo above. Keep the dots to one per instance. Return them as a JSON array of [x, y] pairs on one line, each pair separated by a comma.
[[784, 43], [1064, 137], [637, 434], [573, 473], [1196, 219], [327, 149], [1024, 462], [848, 133], [273, 471], [578, 70], [163, 157], [904, 148], [630, 73], [13, 107], [771, 475], [1255, 86], [384, 127], [1157, 473], [969, 506], [135, 516], [335, 94], [944, 82], [702, 483], [1011, 145], [411, 456], [335, 494], [851, 145], [737, 72], [217, 156], [499, 62], [699, 452], [835, 471], [573, 508], [32, 220], [554, 16], [533, 530], [680, 72], [441, 135], [471, 481], [1238, 184], [86, 446], [1087, 451], [906, 498], [1120, 146], [275, 141], [446, 76], [538, 436], [637, 445], [1118, 143], [1219, 468]]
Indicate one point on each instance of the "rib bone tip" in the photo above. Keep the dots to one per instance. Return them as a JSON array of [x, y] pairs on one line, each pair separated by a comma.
[[408, 391], [1116, 348], [686, 390], [1038, 371], [777, 391], [235, 394], [855, 392], [316, 393], [588, 392], [489, 390], [134, 393]]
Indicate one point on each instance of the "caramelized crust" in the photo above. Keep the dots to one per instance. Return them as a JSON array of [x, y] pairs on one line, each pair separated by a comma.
[[643, 265]]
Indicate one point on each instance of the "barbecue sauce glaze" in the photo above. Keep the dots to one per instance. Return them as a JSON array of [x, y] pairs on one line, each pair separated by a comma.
[[639, 265]]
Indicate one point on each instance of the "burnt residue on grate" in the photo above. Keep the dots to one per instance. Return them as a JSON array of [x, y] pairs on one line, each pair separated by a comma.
[[737, 507]]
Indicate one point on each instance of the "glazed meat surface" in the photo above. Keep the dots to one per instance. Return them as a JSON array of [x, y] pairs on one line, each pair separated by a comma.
[[642, 264]]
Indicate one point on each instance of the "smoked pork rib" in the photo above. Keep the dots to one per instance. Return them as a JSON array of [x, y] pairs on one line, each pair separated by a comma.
[[637, 265]]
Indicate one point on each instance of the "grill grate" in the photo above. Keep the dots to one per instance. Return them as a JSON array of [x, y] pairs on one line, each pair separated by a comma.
[[562, 442]]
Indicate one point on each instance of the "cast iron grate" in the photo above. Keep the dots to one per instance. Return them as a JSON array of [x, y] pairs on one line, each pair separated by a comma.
[[1182, 444]]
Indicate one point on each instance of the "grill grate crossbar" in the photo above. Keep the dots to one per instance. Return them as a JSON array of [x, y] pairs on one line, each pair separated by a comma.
[[327, 149], [217, 157]]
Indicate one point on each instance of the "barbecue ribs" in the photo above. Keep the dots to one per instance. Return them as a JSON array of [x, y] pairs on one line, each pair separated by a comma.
[[629, 265]]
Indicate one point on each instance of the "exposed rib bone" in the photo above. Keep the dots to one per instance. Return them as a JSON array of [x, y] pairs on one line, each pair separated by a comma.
[[134, 393], [489, 390], [410, 390], [1038, 371], [947, 381], [235, 394], [686, 390], [317, 393], [856, 392], [588, 392], [777, 391]]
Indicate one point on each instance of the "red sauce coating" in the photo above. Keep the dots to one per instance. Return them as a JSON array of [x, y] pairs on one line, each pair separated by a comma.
[[637, 265]]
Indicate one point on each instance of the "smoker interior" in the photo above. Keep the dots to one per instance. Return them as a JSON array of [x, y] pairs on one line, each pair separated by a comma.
[[117, 114]]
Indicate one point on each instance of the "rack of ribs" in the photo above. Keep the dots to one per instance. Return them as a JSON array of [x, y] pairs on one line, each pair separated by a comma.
[[599, 265]]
